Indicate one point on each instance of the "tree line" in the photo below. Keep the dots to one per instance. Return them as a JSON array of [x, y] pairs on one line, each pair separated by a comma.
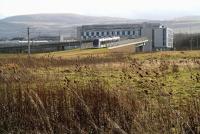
[[187, 41]]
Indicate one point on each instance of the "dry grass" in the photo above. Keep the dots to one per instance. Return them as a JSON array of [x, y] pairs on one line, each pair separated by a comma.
[[114, 93], [75, 53]]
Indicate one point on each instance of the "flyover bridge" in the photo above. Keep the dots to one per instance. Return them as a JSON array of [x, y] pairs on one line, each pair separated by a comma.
[[130, 45]]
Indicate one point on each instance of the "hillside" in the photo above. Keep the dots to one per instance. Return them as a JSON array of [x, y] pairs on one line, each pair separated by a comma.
[[53, 24], [68, 19], [187, 24], [188, 18]]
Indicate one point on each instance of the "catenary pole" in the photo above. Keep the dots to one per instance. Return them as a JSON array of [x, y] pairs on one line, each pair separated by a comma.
[[29, 48]]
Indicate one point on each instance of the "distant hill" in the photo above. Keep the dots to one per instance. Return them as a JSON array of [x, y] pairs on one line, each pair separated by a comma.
[[187, 24], [188, 18], [68, 19], [11, 29], [54, 24]]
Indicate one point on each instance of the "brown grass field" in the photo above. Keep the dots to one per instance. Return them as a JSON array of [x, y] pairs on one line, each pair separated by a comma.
[[96, 92]]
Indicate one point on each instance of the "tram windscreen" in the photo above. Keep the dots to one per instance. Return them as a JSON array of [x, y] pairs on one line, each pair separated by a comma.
[[96, 43]]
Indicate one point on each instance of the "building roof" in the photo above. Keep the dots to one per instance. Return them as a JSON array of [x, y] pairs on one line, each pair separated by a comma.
[[127, 25]]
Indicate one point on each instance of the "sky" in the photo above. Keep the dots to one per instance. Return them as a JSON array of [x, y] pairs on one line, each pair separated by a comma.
[[133, 9]]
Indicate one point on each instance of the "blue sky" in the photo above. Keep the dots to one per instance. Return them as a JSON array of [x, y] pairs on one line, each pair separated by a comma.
[[134, 9]]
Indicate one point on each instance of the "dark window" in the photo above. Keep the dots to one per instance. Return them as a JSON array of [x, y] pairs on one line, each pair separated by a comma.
[[129, 33], [164, 37], [153, 36], [97, 33], [113, 33], [107, 33], [87, 33], [102, 34], [92, 33], [133, 32], [96, 43], [123, 33], [63, 47], [140, 31], [118, 32]]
